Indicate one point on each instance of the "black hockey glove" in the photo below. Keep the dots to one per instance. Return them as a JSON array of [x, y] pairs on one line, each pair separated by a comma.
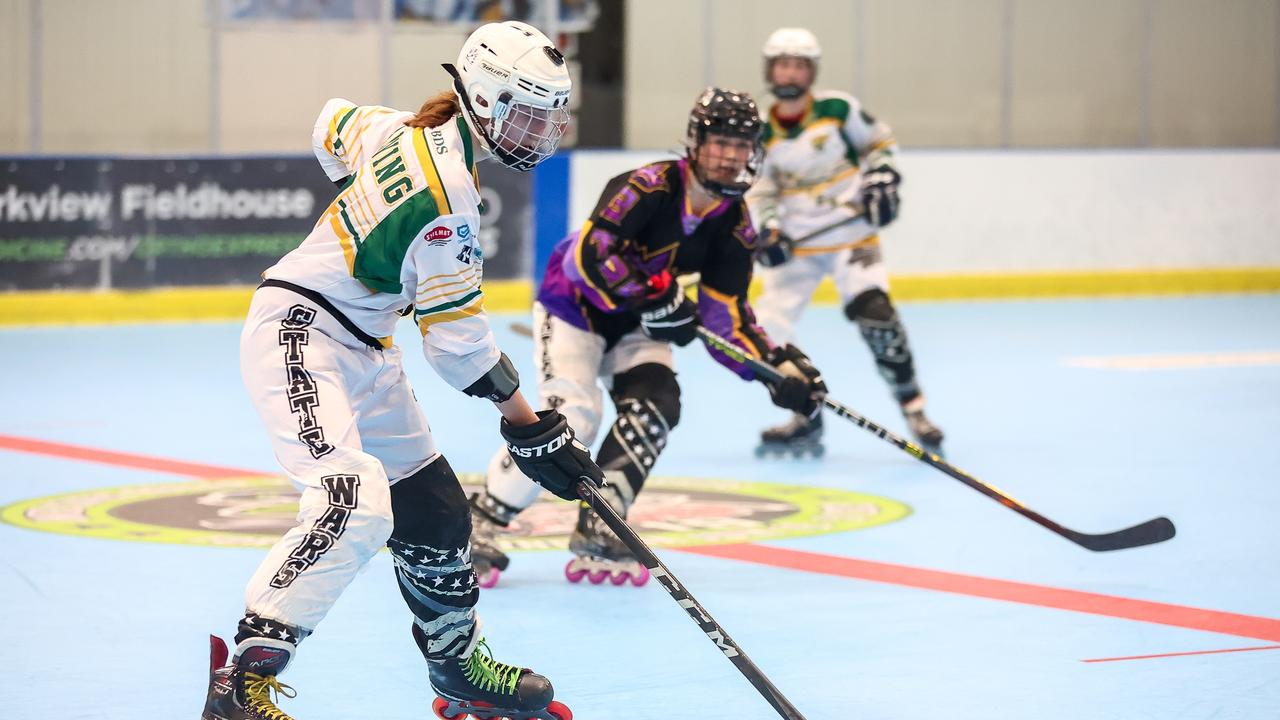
[[776, 247], [880, 194], [548, 452], [801, 388], [668, 316]]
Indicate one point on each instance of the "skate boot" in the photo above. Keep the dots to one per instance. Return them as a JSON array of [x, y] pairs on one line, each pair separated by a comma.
[[489, 518], [929, 435], [480, 687], [798, 438], [600, 554], [243, 689]]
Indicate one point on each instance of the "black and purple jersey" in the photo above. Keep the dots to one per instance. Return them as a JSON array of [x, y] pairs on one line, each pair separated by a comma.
[[643, 225]]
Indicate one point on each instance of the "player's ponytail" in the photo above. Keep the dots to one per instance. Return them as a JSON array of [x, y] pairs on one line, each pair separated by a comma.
[[436, 111]]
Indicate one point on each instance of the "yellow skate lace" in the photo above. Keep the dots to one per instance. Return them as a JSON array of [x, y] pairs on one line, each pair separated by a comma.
[[488, 674], [258, 690]]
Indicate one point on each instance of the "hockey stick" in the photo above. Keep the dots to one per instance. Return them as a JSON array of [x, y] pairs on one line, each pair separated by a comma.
[[1147, 533], [861, 215], [591, 495]]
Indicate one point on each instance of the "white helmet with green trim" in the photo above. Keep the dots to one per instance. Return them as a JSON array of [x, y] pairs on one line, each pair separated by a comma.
[[513, 85]]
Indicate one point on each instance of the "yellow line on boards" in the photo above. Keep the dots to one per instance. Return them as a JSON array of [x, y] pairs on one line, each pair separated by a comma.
[[72, 307]]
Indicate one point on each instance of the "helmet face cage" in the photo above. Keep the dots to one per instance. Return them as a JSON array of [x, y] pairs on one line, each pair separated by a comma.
[[514, 88], [726, 113], [787, 91], [523, 135]]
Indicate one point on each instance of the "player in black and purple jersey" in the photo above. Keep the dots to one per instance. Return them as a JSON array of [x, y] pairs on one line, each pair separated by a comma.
[[609, 307]]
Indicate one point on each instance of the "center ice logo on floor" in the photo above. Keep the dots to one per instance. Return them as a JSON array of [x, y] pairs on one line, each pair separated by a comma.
[[255, 511]]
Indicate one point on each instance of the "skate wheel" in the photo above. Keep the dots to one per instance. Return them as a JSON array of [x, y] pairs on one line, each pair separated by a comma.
[[573, 573], [640, 577], [488, 578], [559, 710], [440, 707], [597, 576], [761, 452]]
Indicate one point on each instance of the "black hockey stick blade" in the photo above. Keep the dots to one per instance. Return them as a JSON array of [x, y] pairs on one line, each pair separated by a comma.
[[1155, 530], [590, 494]]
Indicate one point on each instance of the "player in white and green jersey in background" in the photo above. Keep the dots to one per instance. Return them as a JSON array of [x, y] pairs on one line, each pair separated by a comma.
[[829, 183], [400, 239]]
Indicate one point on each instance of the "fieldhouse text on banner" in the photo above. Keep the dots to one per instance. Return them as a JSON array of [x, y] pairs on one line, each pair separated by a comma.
[[131, 223]]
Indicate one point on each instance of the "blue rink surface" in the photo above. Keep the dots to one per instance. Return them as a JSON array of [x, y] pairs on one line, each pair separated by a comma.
[[100, 628]]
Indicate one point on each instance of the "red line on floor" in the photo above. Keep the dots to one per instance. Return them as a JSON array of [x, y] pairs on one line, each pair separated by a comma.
[[1043, 596], [1181, 654], [1228, 623], [110, 457]]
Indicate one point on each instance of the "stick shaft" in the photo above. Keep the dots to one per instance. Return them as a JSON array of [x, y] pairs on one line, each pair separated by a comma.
[[591, 495], [1152, 531]]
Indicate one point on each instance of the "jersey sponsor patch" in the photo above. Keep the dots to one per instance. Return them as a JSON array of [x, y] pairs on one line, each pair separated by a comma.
[[438, 236]]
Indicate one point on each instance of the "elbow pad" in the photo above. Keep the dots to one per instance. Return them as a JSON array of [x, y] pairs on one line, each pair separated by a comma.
[[499, 384]]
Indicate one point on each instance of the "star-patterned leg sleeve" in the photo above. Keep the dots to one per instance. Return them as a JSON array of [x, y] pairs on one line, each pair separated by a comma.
[[430, 545], [647, 399]]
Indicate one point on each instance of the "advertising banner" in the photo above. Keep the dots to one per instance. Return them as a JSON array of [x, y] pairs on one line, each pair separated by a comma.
[[155, 222]]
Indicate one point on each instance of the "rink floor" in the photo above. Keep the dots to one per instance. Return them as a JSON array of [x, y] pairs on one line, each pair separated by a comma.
[[1099, 414]]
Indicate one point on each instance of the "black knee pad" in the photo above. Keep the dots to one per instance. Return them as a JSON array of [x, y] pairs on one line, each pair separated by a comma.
[[881, 328], [648, 402], [431, 549], [650, 384], [430, 507], [872, 304]]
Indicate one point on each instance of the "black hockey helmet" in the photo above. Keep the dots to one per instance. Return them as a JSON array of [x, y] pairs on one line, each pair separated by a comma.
[[730, 113]]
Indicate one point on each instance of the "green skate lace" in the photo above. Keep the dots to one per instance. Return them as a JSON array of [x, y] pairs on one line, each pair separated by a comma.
[[258, 690], [488, 674]]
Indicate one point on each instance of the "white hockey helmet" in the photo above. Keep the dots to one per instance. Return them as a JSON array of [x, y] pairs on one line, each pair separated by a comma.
[[513, 85], [790, 42]]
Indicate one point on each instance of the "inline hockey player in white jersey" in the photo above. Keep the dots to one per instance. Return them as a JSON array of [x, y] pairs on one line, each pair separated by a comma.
[[610, 306], [316, 355], [829, 183]]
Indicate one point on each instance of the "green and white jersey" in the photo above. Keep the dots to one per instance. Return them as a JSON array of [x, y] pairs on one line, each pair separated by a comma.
[[812, 170], [402, 233]]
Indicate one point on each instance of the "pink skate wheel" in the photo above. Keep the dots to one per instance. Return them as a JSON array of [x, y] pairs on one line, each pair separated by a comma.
[[489, 578], [597, 576], [559, 710], [572, 573], [619, 577], [641, 577]]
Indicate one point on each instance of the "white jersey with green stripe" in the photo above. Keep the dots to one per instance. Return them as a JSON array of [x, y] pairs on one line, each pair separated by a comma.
[[403, 233], [812, 170]]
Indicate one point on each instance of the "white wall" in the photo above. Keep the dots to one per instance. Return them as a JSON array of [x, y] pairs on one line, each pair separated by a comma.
[[145, 76], [983, 73], [1027, 211]]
